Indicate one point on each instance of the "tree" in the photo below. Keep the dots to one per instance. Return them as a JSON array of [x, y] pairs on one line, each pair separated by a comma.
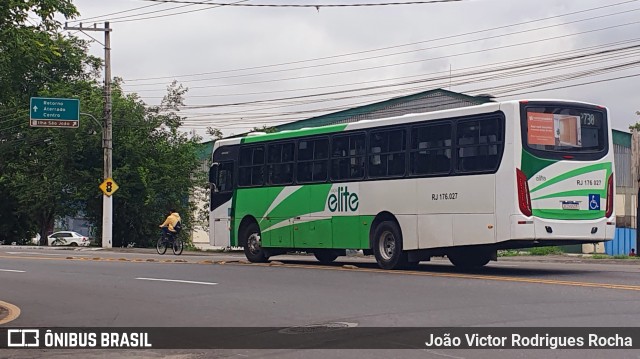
[[32, 63], [265, 129], [153, 163], [51, 173], [635, 126]]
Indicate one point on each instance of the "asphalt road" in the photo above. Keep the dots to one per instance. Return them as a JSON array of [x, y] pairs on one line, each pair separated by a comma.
[[140, 289]]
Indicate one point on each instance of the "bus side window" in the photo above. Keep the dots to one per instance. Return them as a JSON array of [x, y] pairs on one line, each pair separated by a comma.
[[312, 160], [280, 163], [250, 166], [348, 156], [478, 145], [430, 149]]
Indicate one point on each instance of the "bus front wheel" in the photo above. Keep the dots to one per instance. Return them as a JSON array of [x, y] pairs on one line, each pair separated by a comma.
[[252, 244], [387, 246]]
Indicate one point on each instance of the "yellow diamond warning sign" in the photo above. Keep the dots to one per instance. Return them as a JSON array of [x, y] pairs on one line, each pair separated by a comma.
[[109, 186]]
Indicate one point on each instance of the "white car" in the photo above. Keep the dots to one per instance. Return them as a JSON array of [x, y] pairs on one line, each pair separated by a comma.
[[67, 238]]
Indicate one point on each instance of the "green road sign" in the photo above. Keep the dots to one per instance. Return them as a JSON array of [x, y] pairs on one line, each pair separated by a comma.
[[54, 112]]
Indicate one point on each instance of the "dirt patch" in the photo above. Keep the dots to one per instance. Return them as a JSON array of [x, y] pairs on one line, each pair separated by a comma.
[[3, 312]]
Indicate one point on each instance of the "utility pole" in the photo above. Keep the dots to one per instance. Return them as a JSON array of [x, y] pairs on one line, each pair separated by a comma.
[[107, 128]]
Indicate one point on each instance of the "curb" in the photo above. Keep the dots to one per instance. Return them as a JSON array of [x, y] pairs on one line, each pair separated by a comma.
[[10, 312]]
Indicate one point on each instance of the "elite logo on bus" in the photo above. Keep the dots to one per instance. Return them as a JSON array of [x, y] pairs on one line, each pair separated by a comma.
[[343, 201]]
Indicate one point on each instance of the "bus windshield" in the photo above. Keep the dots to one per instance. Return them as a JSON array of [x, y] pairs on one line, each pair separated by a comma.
[[563, 130]]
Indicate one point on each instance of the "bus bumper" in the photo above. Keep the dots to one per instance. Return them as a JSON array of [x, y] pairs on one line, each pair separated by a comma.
[[533, 228]]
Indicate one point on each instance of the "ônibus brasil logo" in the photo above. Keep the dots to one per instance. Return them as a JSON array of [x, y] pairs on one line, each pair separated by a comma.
[[342, 200]]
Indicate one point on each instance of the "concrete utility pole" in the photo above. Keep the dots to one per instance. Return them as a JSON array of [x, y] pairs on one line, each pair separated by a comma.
[[107, 137]]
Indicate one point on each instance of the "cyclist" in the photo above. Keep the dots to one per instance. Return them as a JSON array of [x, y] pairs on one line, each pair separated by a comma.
[[169, 224]]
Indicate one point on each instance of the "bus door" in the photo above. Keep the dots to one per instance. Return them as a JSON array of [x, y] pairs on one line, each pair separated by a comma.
[[221, 177]]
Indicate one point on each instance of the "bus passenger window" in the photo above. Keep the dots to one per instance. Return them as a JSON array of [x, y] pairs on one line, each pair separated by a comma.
[[280, 163], [478, 142], [312, 160], [250, 167], [386, 153], [348, 157], [431, 149]]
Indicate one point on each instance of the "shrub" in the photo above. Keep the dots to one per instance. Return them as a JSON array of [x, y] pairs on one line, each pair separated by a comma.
[[544, 251]]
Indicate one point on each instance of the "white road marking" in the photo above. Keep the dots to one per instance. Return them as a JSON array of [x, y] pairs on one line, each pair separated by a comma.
[[12, 270], [38, 254], [178, 281]]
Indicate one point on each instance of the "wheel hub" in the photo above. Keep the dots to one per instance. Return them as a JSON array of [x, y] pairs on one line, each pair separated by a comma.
[[387, 245], [253, 242]]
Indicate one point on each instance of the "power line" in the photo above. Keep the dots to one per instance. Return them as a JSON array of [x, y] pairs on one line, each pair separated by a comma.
[[116, 13], [509, 62], [380, 56], [317, 6], [406, 62], [540, 63], [527, 83], [126, 18], [388, 47]]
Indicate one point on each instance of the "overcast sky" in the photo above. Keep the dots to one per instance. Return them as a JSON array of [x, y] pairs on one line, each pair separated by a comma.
[[261, 57]]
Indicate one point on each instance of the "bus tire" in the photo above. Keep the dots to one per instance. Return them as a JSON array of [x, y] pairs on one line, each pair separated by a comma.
[[326, 256], [253, 247], [387, 246], [469, 259]]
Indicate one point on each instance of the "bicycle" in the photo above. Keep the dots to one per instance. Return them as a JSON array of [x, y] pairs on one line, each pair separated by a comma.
[[172, 239]]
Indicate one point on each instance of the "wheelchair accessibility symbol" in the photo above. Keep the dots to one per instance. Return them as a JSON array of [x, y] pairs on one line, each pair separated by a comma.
[[594, 202]]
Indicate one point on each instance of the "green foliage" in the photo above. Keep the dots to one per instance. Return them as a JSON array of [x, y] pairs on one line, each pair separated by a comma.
[[215, 133], [32, 183], [635, 126], [51, 173], [508, 253], [153, 164], [543, 251], [265, 129], [600, 256]]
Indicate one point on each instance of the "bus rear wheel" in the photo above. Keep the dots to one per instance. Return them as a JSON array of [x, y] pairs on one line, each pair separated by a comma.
[[469, 259], [387, 246], [325, 256], [252, 244]]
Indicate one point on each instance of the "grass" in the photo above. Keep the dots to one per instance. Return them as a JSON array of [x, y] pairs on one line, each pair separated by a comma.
[[545, 251], [618, 256], [508, 253]]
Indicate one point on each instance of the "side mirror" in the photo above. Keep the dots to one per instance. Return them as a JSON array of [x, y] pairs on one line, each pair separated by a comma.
[[213, 187]]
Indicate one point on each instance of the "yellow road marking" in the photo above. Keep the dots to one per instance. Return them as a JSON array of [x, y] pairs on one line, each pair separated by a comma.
[[14, 312], [133, 260], [465, 276]]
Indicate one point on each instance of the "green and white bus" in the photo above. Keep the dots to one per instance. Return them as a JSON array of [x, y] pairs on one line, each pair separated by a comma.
[[463, 183]]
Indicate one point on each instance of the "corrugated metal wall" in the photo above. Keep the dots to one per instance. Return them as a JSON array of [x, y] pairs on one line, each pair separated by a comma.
[[624, 240], [623, 166]]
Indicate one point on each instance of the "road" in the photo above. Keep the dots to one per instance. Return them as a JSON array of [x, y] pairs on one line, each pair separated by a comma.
[[56, 288]]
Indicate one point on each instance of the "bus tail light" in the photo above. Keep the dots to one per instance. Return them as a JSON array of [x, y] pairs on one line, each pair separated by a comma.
[[524, 199], [609, 210]]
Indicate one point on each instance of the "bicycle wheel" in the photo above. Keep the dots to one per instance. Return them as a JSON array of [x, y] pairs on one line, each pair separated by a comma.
[[161, 245], [177, 246]]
